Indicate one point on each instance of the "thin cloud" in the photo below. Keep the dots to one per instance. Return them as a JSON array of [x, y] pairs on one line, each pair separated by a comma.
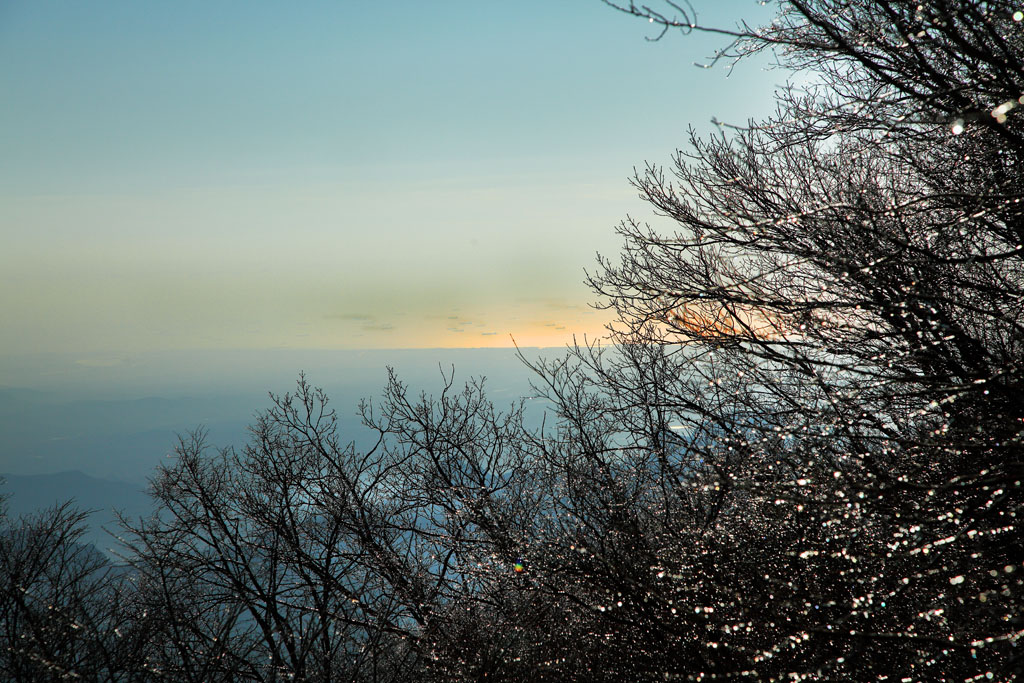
[[99, 362], [351, 316]]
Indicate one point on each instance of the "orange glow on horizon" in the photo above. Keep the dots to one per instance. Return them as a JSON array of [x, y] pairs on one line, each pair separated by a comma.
[[707, 320], [544, 336], [524, 326]]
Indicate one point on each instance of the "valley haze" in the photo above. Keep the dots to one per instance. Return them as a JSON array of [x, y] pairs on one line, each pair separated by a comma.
[[92, 428]]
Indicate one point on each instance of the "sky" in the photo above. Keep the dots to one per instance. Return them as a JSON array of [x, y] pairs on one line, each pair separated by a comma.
[[331, 175]]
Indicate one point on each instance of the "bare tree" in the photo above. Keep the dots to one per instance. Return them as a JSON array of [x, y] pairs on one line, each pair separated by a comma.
[[299, 556], [65, 610], [834, 317]]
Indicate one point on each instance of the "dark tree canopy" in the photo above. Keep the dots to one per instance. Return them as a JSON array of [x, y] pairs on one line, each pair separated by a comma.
[[797, 455]]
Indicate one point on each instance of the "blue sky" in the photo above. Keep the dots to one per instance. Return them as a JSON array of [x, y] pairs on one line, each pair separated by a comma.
[[227, 175]]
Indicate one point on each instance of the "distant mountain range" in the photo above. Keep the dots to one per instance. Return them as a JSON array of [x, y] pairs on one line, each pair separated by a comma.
[[94, 432], [30, 494], [118, 422], [112, 439]]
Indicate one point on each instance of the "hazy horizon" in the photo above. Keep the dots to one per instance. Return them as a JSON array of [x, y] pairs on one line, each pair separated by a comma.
[[92, 428], [190, 372], [116, 418]]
